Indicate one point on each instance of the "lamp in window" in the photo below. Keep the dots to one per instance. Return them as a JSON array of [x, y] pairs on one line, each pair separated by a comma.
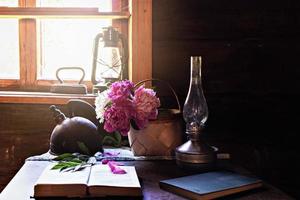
[[109, 58]]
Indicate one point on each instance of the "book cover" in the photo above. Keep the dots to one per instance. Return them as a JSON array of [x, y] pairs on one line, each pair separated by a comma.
[[210, 185], [94, 181]]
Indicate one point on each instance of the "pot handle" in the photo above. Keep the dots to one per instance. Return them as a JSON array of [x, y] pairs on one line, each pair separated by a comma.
[[70, 68], [162, 81]]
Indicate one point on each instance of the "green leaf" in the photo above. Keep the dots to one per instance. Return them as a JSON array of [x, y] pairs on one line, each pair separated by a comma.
[[66, 168], [114, 139], [83, 148], [64, 156], [81, 167], [108, 139], [76, 160], [64, 164], [58, 166], [84, 158], [73, 162], [118, 138], [125, 142]]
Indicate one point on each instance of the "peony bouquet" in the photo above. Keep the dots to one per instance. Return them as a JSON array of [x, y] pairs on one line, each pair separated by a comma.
[[122, 105]]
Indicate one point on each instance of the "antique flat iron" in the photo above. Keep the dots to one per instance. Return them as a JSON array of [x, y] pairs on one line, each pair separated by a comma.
[[69, 88]]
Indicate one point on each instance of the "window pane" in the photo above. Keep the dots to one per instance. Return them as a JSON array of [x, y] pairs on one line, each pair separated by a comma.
[[69, 42], [103, 5], [9, 49], [10, 3]]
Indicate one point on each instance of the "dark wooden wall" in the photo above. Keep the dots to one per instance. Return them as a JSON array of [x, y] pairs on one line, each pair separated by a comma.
[[24, 131], [251, 74]]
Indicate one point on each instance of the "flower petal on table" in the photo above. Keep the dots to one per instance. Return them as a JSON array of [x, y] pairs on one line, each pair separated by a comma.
[[114, 167], [110, 154], [105, 161]]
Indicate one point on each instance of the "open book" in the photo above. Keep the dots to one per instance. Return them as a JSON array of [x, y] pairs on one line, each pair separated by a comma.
[[94, 181]]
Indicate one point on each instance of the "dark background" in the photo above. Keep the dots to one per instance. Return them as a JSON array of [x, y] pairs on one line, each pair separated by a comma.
[[250, 76]]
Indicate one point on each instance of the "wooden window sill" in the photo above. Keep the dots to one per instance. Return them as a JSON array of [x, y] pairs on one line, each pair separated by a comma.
[[48, 12], [42, 97]]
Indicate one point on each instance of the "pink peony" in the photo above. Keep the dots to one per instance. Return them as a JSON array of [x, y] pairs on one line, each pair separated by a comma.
[[121, 105], [117, 118], [145, 103], [120, 90]]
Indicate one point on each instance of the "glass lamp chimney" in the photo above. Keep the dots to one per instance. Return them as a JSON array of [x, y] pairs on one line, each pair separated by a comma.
[[195, 111], [195, 153]]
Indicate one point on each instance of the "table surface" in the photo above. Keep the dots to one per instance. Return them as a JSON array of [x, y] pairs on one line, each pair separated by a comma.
[[149, 172]]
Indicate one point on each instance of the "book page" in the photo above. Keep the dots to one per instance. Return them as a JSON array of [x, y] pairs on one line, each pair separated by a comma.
[[50, 176], [101, 175]]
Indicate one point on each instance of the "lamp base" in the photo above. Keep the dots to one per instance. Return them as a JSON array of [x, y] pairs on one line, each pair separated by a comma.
[[196, 155]]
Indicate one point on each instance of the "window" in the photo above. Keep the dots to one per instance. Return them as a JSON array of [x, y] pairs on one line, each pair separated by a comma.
[[34, 40], [9, 49], [34, 46], [9, 45], [69, 42]]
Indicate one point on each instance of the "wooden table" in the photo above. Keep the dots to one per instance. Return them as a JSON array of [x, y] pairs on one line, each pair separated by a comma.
[[150, 172]]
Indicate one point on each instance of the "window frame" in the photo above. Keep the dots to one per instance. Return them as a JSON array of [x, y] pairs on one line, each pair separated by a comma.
[[134, 18]]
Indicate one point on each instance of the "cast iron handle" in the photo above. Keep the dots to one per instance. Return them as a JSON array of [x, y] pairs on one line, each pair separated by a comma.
[[70, 68]]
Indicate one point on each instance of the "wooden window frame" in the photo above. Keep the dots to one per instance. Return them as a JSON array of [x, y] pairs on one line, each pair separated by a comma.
[[134, 20], [138, 14], [140, 48]]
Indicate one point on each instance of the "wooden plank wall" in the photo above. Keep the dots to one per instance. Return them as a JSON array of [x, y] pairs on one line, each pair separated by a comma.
[[251, 74], [25, 131]]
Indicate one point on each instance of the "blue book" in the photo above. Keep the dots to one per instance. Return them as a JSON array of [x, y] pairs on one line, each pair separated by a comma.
[[210, 185]]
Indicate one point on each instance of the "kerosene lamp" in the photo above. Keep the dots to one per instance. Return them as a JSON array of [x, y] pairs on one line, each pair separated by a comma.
[[109, 58], [195, 153]]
